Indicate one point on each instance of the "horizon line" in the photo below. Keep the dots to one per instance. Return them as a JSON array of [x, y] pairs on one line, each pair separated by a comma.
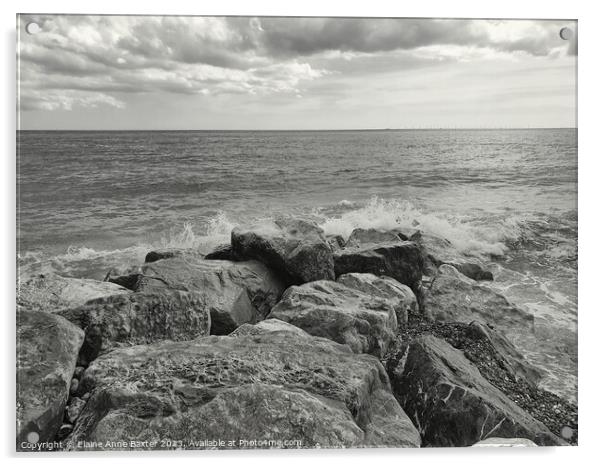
[[322, 129]]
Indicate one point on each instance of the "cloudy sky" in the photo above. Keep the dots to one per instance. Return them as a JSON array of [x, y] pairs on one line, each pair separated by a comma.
[[120, 72]]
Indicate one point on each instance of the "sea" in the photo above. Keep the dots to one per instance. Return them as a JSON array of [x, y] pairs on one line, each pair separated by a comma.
[[92, 201]]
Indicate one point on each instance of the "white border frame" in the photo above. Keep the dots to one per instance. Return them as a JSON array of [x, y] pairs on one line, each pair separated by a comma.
[[590, 323]]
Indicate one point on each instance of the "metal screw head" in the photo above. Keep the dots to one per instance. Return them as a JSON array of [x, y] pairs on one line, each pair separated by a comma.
[[32, 28], [566, 33]]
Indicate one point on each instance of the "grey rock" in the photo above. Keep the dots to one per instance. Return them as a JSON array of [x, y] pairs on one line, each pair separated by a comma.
[[222, 252], [139, 318], [47, 348], [296, 249], [346, 315], [268, 326], [52, 293], [169, 253], [399, 260], [365, 236], [452, 404], [235, 292], [74, 408], [505, 442], [453, 297], [402, 296], [274, 386]]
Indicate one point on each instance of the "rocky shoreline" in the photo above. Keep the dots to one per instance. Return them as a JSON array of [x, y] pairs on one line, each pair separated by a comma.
[[284, 338]]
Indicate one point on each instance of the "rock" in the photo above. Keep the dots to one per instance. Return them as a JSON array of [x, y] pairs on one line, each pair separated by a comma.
[[401, 261], [296, 249], [508, 355], [472, 270], [222, 252], [170, 253], [365, 236], [268, 326], [129, 281], [505, 442], [384, 287], [346, 315], [437, 251], [336, 242], [74, 408], [390, 427], [64, 431], [73, 386], [235, 292], [452, 404], [51, 292], [138, 318], [453, 297], [79, 370], [47, 348], [274, 387]]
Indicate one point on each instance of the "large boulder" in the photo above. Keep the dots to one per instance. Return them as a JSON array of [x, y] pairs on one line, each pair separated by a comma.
[[47, 349], [363, 236], [453, 297], [235, 292], [346, 315], [505, 442], [268, 326], [400, 260], [437, 251], [51, 292], [222, 252], [296, 249], [170, 253], [450, 401], [508, 356], [384, 287], [138, 318], [276, 388]]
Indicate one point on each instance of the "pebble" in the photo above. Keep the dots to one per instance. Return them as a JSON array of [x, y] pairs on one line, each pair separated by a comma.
[[74, 386]]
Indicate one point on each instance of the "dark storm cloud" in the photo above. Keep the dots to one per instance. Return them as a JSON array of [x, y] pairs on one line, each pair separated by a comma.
[[307, 36]]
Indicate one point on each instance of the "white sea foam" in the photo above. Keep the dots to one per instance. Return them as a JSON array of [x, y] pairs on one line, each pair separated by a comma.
[[467, 236]]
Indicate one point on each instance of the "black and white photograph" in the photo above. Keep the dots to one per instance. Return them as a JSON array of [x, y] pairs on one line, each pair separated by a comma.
[[286, 232]]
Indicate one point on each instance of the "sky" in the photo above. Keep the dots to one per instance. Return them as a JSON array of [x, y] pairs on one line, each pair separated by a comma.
[[169, 72]]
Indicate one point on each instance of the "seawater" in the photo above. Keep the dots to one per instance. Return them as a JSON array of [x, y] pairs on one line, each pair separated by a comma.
[[92, 201]]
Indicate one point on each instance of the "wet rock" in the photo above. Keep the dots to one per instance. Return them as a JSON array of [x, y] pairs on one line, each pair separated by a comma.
[[51, 292], [73, 386], [268, 326], [64, 431], [452, 404], [139, 318], [79, 370], [169, 253], [336, 242], [222, 252], [235, 292], [401, 295], [453, 297], [437, 251], [505, 442], [275, 386], [346, 315], [295, 249], [401, 261], [74, 408], [508, 355], [365, 236], [472, 270], [47, 348]]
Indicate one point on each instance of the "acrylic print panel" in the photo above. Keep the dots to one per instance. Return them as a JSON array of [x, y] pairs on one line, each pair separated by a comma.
[[271, 232]]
